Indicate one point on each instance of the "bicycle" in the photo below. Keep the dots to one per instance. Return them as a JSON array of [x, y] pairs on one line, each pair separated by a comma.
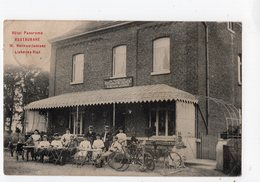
[[121, 160], [81, 160], [169, 161]]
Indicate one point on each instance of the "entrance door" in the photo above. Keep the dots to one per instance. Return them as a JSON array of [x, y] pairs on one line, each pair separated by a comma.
[[206, 149]]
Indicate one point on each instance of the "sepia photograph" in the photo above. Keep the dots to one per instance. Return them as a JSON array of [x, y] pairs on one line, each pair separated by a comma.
[[122, 98]]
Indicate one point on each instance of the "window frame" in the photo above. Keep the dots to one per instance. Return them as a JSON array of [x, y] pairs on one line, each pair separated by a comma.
[[73, 122], [167, 112], [163, 71], [239, 69], [113, 62], [73, 77]]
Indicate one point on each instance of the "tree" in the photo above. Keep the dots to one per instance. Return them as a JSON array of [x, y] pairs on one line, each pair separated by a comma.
[[22, 85]]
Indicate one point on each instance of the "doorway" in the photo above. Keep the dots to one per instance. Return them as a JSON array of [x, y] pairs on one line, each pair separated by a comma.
[[120, 113]]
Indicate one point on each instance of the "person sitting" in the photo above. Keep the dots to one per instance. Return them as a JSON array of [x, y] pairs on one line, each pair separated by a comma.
[[178, 147], [42, 148], [65, 139], [115, 146], [33, 140], [83, 148], [56, 149], [56, 143], [71, 147], [97, 144], [122, 139]]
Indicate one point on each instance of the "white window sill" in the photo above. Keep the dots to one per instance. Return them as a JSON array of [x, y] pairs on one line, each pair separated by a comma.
[[161, 72], [76, 83], [115, 77]]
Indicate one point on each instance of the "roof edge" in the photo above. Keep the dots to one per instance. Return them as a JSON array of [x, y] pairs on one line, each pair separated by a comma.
[[88, 32]]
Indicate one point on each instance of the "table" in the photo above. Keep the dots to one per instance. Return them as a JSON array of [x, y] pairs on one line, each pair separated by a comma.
[[29, 149]]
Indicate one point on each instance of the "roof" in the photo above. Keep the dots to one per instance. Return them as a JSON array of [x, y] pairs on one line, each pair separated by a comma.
[[138, 94], [89, 27]]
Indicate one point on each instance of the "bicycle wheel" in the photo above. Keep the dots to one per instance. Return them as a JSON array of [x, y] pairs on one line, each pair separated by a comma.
[[175, 160], [118, 161], [149, 161], [145, 161], [171, 162]]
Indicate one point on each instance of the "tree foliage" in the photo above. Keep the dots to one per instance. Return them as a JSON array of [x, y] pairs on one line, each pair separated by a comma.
[[22, 85]]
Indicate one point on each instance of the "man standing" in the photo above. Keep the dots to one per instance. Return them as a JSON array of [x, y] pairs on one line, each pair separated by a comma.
[[107, 137], [90, 134]]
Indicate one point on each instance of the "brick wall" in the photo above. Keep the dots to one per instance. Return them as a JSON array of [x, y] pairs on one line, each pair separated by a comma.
[[187, 56], [223, 48]]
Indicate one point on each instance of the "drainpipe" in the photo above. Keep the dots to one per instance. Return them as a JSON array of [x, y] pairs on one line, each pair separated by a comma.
[[207, 71]]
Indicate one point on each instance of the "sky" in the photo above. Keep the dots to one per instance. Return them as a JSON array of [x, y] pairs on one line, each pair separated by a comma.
[[19, 33]]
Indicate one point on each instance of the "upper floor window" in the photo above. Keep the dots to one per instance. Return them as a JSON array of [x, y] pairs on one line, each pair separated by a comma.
[[161, 56], [77, 68], [230, 26], [119, 61], [239, 69]]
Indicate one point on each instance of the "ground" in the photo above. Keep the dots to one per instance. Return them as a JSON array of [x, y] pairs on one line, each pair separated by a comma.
[[13, 167]]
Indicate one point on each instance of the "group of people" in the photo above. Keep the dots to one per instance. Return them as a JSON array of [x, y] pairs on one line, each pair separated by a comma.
[[92, 145], [99, 144], [103, 144]]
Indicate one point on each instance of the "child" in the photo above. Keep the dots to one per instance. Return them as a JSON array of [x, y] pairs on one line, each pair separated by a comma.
[[115, 146], [178, 148], [42, 148], [83, 148], [97, 144], [56, 143], [122, 137]]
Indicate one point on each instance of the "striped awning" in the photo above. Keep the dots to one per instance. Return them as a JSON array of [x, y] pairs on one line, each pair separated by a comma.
[[138, 94]]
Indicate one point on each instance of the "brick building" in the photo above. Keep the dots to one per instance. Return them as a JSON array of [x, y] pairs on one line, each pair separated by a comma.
[[168, 78]]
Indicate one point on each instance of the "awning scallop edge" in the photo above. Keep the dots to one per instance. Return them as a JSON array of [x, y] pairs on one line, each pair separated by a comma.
[[138, 94]]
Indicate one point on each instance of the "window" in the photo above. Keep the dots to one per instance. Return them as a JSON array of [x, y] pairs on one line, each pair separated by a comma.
[[230, 26], [119, 61], [239, 69], [76, 122], [77, 68], [161, 56], [162, 122]]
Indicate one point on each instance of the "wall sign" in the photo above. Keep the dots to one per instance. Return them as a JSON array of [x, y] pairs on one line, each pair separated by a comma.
[[118, 82]]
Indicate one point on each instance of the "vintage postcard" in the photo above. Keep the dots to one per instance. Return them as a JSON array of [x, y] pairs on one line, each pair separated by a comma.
[[122, 98]]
